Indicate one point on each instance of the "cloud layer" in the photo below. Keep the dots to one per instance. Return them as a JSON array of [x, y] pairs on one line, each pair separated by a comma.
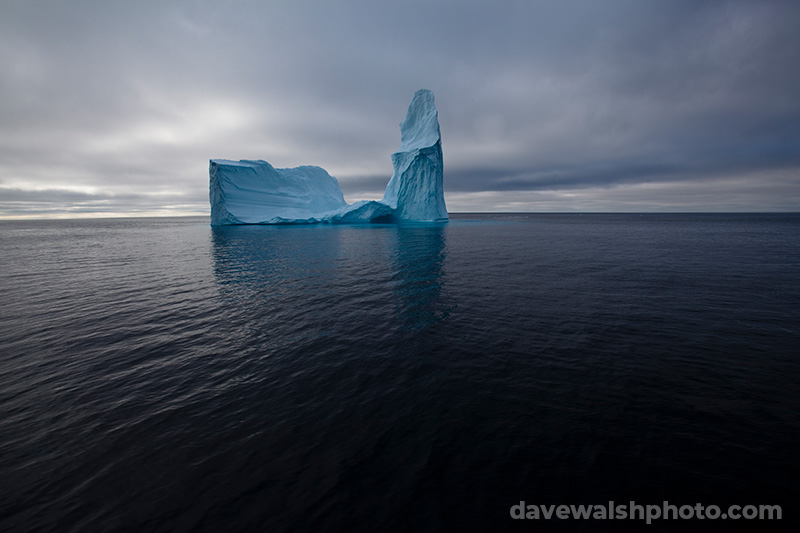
[[116, 107]]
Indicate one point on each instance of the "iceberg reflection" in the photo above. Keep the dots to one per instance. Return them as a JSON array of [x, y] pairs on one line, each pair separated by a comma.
[[368, 281]]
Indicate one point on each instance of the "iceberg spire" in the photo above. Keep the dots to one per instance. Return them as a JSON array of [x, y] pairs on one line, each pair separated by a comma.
[[416, 189]]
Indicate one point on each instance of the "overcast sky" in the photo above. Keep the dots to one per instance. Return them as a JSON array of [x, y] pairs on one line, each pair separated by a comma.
[[115, 107]]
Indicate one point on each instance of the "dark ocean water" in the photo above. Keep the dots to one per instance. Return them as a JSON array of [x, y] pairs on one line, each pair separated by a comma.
[[161, 375]]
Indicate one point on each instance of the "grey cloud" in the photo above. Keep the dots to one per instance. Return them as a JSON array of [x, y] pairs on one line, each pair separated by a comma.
[[136, 97]]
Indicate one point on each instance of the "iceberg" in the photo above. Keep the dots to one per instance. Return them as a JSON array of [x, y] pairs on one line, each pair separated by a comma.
[[416, 190], [254, 192]]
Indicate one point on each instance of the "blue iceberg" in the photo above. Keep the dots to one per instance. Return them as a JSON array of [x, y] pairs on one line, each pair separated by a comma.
[[416, 190], [254, 192]]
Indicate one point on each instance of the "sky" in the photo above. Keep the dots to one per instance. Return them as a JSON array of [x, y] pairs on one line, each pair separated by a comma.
[[113, 108]]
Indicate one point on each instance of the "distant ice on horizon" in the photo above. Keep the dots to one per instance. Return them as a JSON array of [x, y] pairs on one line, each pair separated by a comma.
[[255, 192]]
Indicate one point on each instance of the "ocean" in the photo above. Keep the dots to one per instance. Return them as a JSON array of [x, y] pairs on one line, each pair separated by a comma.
[[162, 375]]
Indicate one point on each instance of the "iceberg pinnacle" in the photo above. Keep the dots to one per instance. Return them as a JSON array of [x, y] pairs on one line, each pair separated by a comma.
[[254, 192], [416, 189]]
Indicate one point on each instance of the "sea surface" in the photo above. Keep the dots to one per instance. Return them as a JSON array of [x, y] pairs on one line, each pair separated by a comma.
[[163, 375]]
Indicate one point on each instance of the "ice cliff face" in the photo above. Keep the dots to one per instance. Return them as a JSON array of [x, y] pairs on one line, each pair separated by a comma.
[[254, 192]]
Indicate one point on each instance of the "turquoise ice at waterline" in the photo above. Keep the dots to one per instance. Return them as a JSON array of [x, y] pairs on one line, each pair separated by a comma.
[[255, 192]]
